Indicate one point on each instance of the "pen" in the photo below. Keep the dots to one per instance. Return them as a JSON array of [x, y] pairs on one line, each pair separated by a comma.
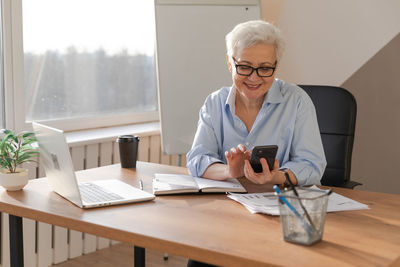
[[305, 225], [297, 195], [141, 184]]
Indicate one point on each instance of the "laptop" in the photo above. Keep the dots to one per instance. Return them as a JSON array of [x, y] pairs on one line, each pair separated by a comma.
[[57, 163]]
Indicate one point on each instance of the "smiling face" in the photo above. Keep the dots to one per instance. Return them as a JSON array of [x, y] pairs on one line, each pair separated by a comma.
[[253, 87]]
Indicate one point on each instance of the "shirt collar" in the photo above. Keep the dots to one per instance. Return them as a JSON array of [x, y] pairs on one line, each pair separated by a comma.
[[274, 95], [230, 100]]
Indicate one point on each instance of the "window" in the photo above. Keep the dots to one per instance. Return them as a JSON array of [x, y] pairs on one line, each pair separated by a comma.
[[88, 60]]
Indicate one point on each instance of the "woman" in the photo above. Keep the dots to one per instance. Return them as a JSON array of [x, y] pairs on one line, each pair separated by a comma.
[[257, 110]]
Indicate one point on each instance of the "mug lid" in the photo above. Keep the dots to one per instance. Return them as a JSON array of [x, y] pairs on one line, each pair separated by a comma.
[[127, 139]]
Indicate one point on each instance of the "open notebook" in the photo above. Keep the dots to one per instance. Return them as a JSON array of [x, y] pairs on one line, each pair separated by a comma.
[[165, 184]]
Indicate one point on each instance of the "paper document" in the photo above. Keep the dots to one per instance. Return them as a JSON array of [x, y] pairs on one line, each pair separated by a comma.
[[268, 202]]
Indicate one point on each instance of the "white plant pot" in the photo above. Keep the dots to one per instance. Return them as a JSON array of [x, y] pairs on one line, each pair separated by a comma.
[[14, 181]]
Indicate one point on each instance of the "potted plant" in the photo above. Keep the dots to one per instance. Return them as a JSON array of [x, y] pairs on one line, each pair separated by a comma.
[[15, 149]]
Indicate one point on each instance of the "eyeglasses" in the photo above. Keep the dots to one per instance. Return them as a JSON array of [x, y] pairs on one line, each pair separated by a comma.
[[247, 70]]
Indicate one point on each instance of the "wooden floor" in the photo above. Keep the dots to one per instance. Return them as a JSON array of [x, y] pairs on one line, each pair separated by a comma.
[[121, 255]]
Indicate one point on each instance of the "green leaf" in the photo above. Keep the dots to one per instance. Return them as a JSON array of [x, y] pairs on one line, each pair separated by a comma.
[[6, 138], [6, 164], [28, 141], [30, 153], [28, 134], [6, 131], [22, 158], [11, 148], [14, 138], [27, 146]]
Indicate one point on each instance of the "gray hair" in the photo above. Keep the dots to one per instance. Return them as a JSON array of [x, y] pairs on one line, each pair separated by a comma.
[[251, 33]]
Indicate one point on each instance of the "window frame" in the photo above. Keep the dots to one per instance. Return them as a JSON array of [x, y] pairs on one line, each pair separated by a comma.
[[13, 65], [2, 93], [14, 83]]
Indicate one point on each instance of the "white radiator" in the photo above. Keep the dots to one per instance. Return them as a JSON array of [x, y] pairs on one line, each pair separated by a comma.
[[46, 244]]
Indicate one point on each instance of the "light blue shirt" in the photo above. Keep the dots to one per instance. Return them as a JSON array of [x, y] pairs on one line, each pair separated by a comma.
[[287, 118]]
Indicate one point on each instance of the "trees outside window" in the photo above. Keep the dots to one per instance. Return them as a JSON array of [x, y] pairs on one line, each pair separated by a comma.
[[88, 60]]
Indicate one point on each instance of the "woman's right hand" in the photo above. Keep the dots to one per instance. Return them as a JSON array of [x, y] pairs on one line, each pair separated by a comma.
[[235, 159]]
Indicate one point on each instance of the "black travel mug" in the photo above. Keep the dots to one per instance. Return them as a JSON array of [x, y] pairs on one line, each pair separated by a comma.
[[128, 149]]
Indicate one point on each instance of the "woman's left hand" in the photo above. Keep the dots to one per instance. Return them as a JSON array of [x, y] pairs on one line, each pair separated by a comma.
[[265, 177]]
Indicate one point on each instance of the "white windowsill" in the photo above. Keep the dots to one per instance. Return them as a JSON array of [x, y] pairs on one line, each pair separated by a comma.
[[93, 136]]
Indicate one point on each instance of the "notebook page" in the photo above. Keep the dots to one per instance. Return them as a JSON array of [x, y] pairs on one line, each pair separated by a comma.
[[208, 183], [175, 179]]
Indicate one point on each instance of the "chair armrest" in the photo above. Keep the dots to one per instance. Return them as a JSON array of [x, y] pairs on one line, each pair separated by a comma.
[[350, 184]]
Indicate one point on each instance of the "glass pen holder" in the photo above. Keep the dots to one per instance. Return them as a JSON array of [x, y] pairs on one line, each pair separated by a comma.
[[303, 219]]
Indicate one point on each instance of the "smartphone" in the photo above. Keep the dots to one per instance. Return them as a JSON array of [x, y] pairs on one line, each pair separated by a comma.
[[267, 152]]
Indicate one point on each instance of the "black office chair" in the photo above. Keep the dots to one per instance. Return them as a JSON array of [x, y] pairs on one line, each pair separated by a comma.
[[336, 113]]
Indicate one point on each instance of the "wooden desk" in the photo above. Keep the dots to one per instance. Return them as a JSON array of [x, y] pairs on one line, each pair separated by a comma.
[[215, 229]]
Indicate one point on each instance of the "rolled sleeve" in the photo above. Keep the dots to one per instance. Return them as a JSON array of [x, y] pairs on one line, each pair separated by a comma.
[[198, 161]]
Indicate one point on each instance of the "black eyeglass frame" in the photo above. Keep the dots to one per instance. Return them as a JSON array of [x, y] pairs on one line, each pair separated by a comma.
[[254, 69]]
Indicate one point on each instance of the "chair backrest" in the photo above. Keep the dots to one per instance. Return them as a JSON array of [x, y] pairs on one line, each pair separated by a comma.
[[336, 110]]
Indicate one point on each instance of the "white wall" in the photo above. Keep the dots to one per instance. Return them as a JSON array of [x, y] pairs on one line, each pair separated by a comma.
[[327, 41]]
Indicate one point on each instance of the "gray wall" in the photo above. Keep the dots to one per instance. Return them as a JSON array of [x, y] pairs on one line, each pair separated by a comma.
[[376, 86]]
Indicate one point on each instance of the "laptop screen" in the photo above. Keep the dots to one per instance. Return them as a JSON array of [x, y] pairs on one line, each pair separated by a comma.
[[56, 160]]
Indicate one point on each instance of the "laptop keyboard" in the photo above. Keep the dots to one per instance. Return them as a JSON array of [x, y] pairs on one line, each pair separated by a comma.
[[92, 193]]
